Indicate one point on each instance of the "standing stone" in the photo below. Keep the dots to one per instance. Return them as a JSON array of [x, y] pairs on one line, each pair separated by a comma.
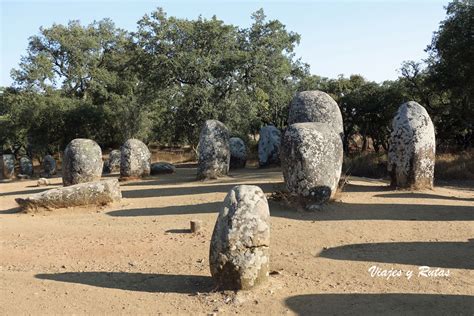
[[8, 166], [113, 163], [239, 254], [312, 157], [213, 151], [82, 162], [26, 166], [49, 166], [269, 146], [411, 157], [135, 159], [316, 106], [238, 153]]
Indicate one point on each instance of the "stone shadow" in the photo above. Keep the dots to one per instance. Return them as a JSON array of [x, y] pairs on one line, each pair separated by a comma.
[[417, 195], [142, 282], [443, 254], [381, 304]]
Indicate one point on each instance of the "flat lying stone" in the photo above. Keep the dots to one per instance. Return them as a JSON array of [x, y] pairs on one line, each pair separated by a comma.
[[89, 193], [162, 168]]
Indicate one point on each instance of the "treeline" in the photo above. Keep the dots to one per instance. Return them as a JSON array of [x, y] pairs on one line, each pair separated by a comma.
[[162, 81]]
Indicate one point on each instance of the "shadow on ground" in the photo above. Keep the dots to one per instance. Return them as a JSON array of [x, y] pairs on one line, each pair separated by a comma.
[[29, 191], [11, 211], [143, 282], [331, 212], [201, 189], [433, 254], [381, 304], [415, 195], [339, 211]]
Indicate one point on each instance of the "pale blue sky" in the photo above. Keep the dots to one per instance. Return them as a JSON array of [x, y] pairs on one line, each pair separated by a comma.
[[371, 37]]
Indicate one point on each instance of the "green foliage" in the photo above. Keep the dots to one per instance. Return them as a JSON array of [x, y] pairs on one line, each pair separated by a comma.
[[161, 82]]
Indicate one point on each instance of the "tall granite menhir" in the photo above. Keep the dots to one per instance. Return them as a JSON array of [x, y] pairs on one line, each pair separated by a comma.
[[312, 157], [411, 156], [213, 151], [82, 162], [135, 159], [316, 106], [239, 254]]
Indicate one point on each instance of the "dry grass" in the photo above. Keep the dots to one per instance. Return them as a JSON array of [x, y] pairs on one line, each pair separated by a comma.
[[449, 166], [458, 166]]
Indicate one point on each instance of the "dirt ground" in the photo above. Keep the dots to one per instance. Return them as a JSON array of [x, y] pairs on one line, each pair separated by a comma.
[[139, 257]]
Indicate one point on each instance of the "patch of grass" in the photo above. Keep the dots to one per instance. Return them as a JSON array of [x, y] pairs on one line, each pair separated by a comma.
[[369, 165], [458, 166], [449, 166]]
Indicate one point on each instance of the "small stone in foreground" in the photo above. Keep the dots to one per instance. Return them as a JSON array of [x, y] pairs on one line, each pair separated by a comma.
[[239, 253]]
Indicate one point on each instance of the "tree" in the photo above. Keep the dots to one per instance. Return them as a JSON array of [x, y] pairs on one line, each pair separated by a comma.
[[451, 69]]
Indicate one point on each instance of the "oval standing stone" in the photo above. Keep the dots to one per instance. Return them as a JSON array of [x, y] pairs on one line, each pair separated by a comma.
[[49, 166], [8, 166], [411, 155], [213, 151], [238, 153], [82, 162], [269, 146], [135, 159], [26, 166], [239, 253]]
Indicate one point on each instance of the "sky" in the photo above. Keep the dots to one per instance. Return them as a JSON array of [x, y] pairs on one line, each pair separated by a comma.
[[371, 38]]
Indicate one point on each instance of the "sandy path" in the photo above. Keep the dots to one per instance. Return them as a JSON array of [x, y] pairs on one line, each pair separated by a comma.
[[138, 257]]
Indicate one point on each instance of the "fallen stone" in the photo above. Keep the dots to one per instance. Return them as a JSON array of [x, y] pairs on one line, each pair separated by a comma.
[[90, 193], [312, 157], [316, 106], [411, 155], [213, 151], [238, 153], [135, 159], [269, 146], [239, 253], [82, 162], [162, 168]]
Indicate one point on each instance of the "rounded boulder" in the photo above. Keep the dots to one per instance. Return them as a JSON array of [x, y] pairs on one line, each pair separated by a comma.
[[82, 162], [316, 106], [312, 158]]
